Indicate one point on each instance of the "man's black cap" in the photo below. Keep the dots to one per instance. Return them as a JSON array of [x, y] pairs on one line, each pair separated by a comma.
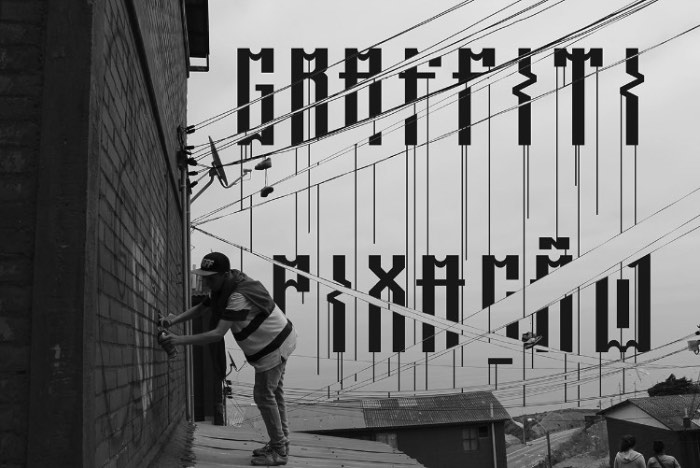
[[213, 263]]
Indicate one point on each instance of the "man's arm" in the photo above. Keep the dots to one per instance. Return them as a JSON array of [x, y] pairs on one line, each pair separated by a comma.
[[211, 336], [189, 314]]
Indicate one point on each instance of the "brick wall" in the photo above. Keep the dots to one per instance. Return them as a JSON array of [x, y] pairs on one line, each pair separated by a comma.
[[139, 393], [88, 164], [21, 47]]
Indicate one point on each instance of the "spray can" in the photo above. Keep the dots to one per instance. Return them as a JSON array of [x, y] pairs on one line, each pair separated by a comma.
[[168, 347]]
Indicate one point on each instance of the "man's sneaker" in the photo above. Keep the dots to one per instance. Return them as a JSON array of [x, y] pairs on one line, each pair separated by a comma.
[[266, 448], [262, 450], [270, 458]]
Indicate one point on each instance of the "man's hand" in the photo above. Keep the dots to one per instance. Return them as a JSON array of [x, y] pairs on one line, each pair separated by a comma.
[[166, 322], [168, 338]]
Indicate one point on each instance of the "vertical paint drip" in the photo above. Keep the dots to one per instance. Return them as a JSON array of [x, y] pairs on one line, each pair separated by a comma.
[[578, 254], [527, 180], [415, 256], [489, 170], [600, 374], [296, 208], [489, 186], [466, 203], [635, 187], [426, 371], [524, 281], [308, 188], [243, 155], [318, 273], [454, 369], [597, 142], [355, 252], [374, 203], [636, 311], [462, 229], [621, 176], [576, 165], [398, 372], [556, 153], [578, 365], [621, 173], [427, 167], [250, 202], [578, 204], [408, 262], [565, 379]]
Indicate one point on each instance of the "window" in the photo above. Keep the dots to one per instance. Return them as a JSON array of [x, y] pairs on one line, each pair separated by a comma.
[[388, 438], [483, 431], [470, 439]]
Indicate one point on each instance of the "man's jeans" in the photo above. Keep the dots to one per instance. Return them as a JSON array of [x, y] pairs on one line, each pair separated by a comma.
[[269, 397]]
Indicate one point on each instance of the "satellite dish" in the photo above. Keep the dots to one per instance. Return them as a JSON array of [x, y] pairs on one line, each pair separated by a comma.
[[218, 168]]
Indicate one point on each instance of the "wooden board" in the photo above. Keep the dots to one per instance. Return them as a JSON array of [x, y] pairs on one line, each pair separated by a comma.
[[219, 446]]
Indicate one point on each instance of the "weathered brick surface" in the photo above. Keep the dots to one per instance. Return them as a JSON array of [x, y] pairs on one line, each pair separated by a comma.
[[13, 439], [14, 134], [20, 33], [139, 236], [19, 108], [17, 188], [19, 58], [23, 11], [139, 396]]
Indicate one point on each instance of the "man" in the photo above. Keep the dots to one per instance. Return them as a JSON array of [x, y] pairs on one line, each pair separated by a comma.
[[264, 334], [660, 459]]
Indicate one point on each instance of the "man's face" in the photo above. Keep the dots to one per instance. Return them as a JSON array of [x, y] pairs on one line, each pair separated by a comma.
[[214, 282]]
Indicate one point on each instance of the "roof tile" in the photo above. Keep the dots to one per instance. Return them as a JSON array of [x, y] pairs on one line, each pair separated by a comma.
[[439, 409]]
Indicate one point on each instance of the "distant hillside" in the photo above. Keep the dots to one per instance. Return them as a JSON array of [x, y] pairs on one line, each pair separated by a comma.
[[588, 447]]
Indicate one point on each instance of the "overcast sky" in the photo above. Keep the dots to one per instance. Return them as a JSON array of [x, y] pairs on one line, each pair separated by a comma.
[[507, 195]]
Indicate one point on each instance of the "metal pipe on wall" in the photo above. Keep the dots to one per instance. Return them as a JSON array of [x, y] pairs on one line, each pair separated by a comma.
[[187, 299]]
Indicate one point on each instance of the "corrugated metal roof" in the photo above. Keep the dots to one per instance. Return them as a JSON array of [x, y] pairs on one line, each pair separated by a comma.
[[669, 410], [452, 408]]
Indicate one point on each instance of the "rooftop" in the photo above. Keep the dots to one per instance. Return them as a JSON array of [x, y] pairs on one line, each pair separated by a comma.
[[231, 447], [455, 408], [668, 410], [452, 408]]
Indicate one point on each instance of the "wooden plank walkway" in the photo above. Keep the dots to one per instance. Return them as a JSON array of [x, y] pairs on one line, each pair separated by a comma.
[[231, 447]]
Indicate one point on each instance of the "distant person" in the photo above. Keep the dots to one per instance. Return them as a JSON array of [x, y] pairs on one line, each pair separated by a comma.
[[627, 457], [660, 459], [264, 334]]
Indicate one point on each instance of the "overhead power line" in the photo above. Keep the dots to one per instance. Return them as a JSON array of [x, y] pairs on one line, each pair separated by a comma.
[[205, 218]]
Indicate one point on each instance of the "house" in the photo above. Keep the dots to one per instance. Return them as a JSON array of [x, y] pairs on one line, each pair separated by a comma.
[[440, 431], [673, 419]]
